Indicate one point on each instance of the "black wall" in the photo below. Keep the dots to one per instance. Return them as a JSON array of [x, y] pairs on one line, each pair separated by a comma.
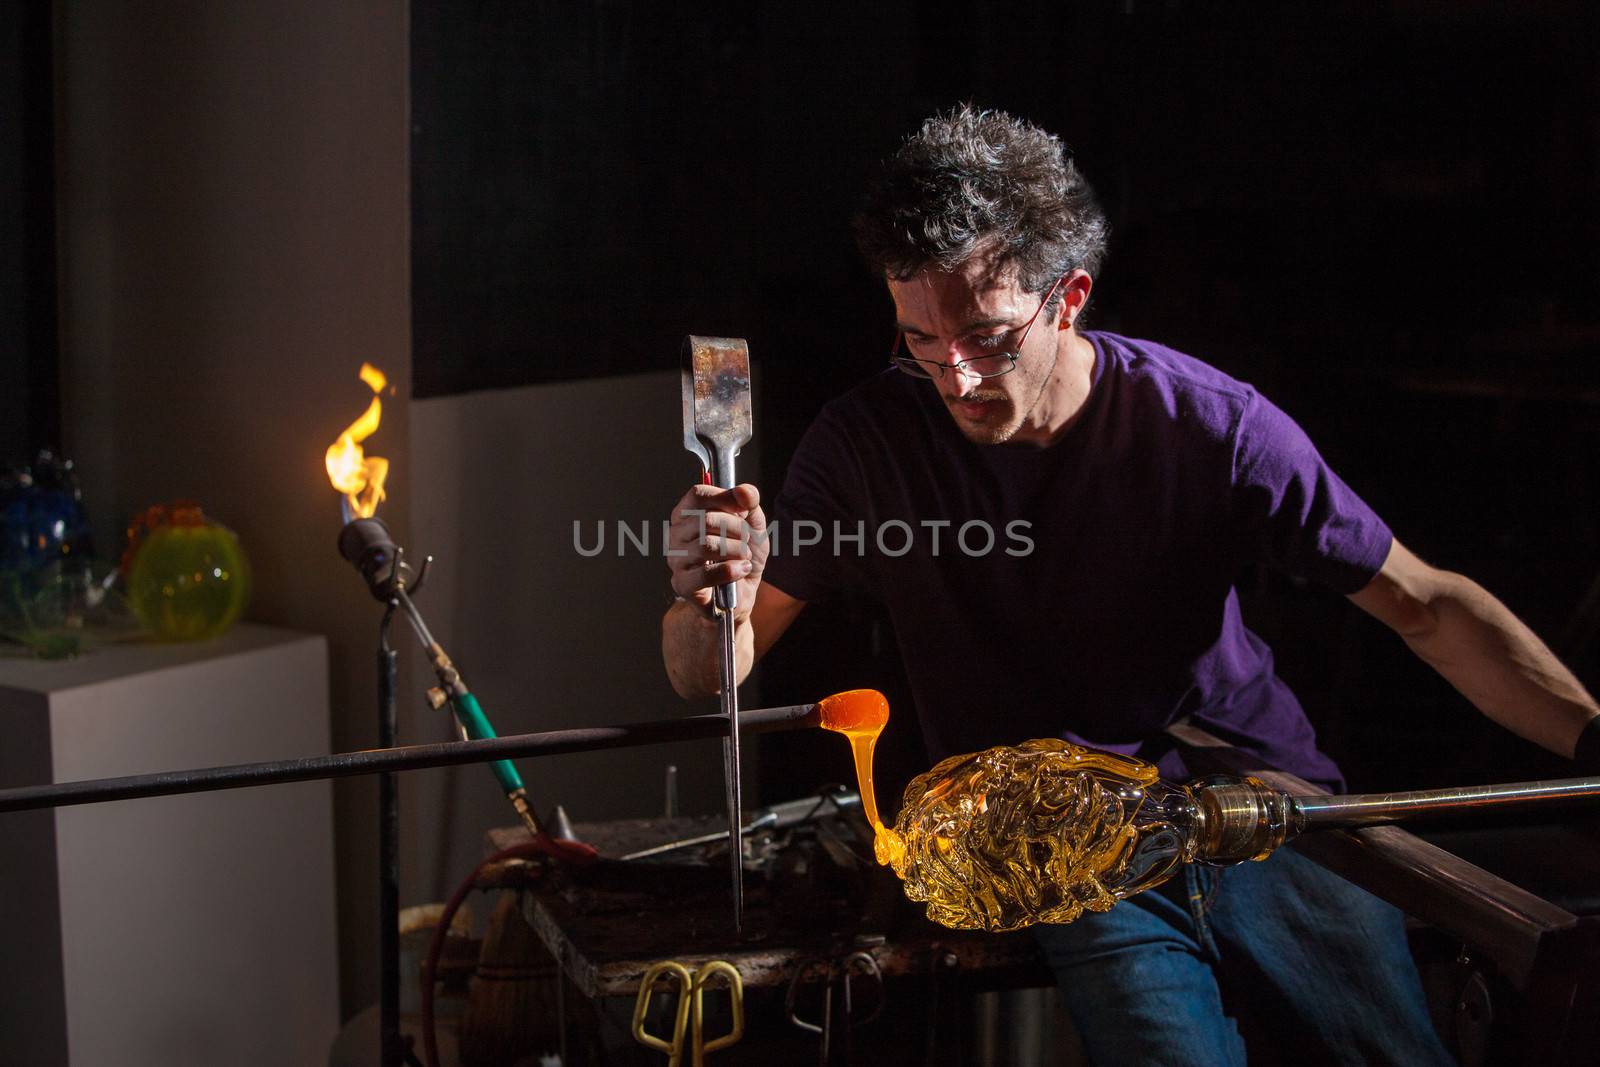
[[29, 403], [1385, 217]]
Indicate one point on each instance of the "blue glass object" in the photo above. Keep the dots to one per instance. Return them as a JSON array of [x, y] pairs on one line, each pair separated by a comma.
[[42, 520]]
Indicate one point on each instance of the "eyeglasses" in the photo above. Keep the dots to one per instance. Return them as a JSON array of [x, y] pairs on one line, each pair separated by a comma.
[[987, 366]]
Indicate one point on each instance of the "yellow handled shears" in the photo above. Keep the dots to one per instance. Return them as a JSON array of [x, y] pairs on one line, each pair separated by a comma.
[[690, 1013]]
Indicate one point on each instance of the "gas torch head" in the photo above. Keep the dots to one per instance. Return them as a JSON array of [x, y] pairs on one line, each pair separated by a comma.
[[367, 545]]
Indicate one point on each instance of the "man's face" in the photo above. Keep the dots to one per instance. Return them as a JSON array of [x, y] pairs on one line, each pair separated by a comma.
[[975, 311]]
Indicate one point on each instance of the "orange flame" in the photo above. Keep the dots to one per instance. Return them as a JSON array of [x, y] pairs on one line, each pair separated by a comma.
[[358, 476]]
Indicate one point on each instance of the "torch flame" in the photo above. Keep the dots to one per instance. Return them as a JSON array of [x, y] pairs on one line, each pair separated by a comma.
[[358, 476]]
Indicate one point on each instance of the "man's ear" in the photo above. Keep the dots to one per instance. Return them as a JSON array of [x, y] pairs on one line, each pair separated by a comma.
[[1074, 295]]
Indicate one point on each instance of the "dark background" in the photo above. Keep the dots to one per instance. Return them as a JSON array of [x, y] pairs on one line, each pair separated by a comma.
[[1384, 217], [30, 414]]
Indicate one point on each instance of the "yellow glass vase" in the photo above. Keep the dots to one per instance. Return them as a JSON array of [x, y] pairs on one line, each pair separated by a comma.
[[188, 578]]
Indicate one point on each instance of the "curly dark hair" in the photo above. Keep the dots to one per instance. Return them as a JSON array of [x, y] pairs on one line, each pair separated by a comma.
[[975, 182]]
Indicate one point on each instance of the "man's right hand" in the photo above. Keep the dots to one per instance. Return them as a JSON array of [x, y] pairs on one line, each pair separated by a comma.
[[718, 536]]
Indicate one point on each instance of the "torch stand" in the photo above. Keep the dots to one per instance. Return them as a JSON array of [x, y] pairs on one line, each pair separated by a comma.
[[367, 545], [393, 1048]]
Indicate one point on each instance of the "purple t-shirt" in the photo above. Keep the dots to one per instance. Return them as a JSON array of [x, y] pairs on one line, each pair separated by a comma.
[[1084, 590]]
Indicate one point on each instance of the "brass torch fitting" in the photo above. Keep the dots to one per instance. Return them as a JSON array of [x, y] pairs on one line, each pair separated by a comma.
[[449, 677], [519, 800]]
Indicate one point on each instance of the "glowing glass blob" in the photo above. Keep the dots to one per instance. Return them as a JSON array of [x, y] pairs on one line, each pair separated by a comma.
[[1011, 836]]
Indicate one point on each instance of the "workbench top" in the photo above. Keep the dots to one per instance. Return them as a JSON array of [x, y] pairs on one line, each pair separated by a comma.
[[608, 923]]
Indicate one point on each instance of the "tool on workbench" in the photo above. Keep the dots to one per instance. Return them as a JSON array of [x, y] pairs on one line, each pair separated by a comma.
[[781, 816], [763, 821], [689, 1014], [716, 424], [561, 825], [840, 974]]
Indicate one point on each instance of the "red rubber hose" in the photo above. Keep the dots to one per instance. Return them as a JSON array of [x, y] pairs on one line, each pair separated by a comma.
[[575, 852]]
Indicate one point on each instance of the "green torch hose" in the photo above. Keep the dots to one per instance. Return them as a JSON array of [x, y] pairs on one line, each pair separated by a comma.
[[476, 723], [469, 713]]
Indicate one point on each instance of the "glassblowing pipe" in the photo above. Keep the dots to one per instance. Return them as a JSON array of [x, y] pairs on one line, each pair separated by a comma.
[[1243, 818], [405, 758]]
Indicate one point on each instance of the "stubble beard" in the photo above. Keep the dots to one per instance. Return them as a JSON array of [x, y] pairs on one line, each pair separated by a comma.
[[999, 435], [982, 433]]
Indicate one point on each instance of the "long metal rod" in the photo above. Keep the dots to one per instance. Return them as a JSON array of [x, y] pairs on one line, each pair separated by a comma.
[[732, 769], [1372, 809], [405, 758]]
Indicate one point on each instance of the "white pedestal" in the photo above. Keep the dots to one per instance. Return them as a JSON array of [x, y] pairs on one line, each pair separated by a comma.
[[172, 930]]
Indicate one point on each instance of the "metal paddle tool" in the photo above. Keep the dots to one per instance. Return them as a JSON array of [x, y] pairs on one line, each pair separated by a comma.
[[716, 424]]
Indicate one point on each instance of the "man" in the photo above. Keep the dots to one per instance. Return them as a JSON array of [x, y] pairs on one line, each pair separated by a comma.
[[1122, 485]]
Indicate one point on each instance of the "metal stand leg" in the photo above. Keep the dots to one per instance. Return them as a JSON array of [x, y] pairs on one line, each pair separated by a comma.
[[391, 1050]]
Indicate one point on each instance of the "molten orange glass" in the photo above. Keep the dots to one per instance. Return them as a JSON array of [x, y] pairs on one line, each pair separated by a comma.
[[861, 715], [358, 476]]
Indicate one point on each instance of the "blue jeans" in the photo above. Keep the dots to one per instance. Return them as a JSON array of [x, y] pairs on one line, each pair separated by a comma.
[[1316, 968]]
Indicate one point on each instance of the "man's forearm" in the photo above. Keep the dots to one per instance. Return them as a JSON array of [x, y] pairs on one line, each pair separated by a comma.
[[689, 649], [1495, 661]]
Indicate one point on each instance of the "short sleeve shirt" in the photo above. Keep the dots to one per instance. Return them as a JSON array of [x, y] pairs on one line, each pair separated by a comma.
[[1084, 590]]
